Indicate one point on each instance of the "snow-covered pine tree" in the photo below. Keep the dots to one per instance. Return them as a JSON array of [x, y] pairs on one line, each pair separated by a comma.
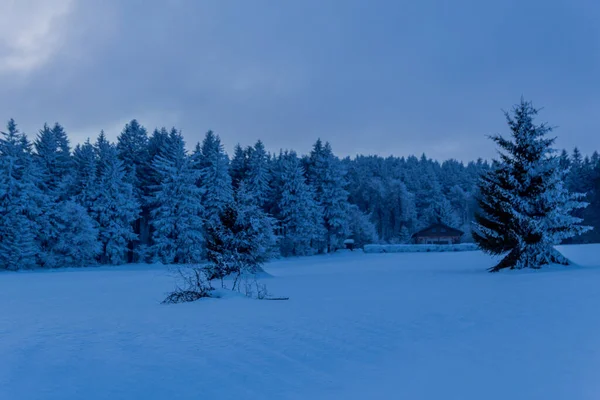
[[362, 230], [115, 207], [72, 240], [104, 152], [326, 176], [525, 206], [300, 215], [565, 161], [53, 156], [257, 175], [214, 181], [67, 235], [401, 204], [133, 150], [158, 145], [256, 227], [244, 238], [238, 166], [594, 214], [85, 185], [19, 201], [177, 207]]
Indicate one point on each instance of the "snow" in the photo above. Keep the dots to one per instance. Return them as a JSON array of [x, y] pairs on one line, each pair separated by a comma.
[[418, 248], [357, 326]]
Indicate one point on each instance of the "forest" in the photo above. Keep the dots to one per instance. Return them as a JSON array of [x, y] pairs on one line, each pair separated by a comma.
[[147, 198]]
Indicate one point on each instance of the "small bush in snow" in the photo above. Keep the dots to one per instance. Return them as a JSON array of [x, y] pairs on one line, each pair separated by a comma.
[[194, 285], [254, 289]]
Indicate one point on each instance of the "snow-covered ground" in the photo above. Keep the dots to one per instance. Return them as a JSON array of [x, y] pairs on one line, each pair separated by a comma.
[[357, 326]]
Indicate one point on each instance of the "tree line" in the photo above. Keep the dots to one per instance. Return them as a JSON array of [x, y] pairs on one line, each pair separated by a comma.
[[146, 198]]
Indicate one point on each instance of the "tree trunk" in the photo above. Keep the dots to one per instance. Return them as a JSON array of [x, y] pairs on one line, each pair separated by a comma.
[[531, 256]]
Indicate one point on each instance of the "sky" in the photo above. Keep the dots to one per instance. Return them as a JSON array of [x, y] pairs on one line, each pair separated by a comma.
[[386, 77]]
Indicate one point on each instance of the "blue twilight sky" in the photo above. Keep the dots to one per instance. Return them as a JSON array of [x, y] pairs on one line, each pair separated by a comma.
[[379, 76]]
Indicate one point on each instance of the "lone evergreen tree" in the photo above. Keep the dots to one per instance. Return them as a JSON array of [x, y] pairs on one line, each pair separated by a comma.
[[525, 206]]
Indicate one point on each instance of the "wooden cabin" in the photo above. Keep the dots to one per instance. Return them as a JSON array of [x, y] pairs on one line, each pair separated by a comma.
[[438, 234]]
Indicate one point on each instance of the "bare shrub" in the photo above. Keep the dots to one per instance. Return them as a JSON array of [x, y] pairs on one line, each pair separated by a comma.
[[194, 285]]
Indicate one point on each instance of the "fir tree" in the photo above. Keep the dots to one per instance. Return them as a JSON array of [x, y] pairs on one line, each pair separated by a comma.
[[362, 230], [132, 147], [238, 166], [565, 161], [114, 207], [300, 215], [104, 152], [177, 209], [85, 186], [158, 146], [53, 156], [257, 175], [133, 150], [67, 235], [525, 207], [256, 227], [326, 176], [214, 181], [243, 239], [19, 201], [72, 240]]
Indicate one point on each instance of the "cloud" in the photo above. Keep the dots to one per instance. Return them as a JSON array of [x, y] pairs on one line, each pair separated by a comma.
[[371, 77], [30, 32]]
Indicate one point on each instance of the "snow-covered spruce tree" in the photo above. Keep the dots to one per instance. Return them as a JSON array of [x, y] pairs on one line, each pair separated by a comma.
[[132, 147], [115, 207], [73, 238], [238, 166], [214, 181], [326, 176], [85, 185], [256, 228], [300, 215], [176, 206], [525, 206], [361, 228], [257, 175], [19, 201], [67, 235], [158, 145], [242, 240], [53, 156]]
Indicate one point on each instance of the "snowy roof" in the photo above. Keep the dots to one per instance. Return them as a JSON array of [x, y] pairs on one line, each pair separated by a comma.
[[438, 229]]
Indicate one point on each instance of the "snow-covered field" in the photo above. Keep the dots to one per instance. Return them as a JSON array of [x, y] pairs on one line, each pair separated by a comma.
[[357, 326]]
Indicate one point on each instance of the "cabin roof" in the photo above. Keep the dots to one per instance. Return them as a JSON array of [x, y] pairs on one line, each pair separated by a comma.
[[437, 230]]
